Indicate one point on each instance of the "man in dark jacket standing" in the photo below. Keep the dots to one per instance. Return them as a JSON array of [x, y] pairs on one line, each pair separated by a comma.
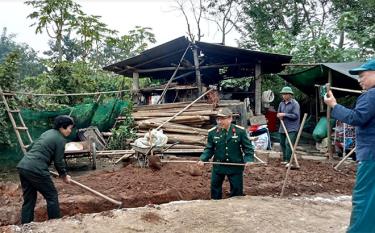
[[34, 173], [289, 112], [363, 118], [227, 143]]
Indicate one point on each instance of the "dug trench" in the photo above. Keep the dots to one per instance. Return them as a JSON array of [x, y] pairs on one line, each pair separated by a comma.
[[137, 187]]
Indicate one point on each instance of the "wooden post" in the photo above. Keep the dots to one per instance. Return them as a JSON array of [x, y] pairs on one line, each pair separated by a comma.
[[329, 119], [197, 70], [135, 88], [258, 89], [343, 159], [316, 105]]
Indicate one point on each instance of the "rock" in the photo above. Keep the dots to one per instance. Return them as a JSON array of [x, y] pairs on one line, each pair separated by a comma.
[[194, 170]]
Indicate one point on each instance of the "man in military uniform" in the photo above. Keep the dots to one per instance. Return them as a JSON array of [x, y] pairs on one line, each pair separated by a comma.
[[227, 143]]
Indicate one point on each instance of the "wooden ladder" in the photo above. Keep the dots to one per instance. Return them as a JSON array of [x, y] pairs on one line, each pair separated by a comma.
[[17, 129]]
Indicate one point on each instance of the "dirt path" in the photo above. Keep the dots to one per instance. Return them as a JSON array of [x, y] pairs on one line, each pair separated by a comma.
[[244, 214], [137, 187]]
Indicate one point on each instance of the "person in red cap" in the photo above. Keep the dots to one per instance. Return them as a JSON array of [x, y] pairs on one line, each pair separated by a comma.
[[363, 118]]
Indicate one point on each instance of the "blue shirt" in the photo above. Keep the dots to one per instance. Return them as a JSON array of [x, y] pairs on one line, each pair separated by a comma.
[[292, 115], [363, 118]]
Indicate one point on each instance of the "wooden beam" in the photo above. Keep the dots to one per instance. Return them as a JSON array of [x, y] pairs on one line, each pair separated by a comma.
[[258, 89], [148, 61], [300, 64], [170, 68], [197, 70], [172, 77], [343, 89], [329, 143], [135, 88]]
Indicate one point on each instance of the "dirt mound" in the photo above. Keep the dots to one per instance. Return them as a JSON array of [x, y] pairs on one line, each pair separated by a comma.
[[139, 187], [247, 214]]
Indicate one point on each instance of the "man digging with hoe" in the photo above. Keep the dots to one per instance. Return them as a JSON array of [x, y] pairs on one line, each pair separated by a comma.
[[227, 143]]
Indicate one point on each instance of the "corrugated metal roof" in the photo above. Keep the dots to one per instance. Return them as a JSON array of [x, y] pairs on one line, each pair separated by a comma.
[[213, 57]]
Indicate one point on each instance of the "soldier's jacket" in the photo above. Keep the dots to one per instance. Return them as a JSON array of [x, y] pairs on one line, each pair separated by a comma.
[[48, 148], [233, 146]]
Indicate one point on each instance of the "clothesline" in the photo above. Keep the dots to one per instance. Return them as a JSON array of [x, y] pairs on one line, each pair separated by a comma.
[[69, 94]]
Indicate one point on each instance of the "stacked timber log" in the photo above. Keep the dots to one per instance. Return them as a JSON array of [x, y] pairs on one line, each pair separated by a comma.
[[189, 130]]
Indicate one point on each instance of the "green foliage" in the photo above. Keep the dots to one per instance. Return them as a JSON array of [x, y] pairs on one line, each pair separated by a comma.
[[65, 78], [125, 131], [9, 78], [275, 84], [357, 20], [56, 17], [238, 83], [91, 31], [116, 48], [310, 30], [29, 63], [9, 72]]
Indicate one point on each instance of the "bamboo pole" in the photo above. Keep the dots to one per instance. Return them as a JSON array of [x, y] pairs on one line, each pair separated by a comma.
[[289, 141], [293, 153], [68, 94], [123, 157], [170, 68], [329, 133], [343, 89], [169, 114], [215, 163], [173, 75], [343, 159], [182, 110], [119, 203], [300, 64]]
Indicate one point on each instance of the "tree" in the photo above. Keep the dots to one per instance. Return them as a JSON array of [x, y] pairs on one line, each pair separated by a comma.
[[226, 15], [71, 49], [9, 81], [196, 12], [29, 62], [356, 22], [307, 29], [56, 17], [119, 48], [91, 31]]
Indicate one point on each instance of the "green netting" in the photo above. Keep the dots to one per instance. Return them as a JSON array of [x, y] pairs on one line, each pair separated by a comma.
[[105, 115], [102, 115]]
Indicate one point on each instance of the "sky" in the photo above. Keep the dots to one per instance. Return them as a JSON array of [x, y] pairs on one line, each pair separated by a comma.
[[121, 15]]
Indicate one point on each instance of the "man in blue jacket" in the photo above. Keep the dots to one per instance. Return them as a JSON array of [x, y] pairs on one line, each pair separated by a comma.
[[363, 118], [289, 112]]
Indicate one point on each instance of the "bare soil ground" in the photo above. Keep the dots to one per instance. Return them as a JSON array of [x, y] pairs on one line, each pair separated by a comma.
[[248, 214], [137, 187]]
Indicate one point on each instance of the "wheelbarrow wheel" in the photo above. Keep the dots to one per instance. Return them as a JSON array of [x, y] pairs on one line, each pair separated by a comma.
[[93, 156]]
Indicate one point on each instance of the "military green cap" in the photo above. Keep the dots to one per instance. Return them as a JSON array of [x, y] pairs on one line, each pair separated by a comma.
[[287, 90], [224, 112]]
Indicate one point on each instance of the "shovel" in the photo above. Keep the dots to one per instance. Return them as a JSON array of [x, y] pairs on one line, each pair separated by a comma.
[[118, 203]]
